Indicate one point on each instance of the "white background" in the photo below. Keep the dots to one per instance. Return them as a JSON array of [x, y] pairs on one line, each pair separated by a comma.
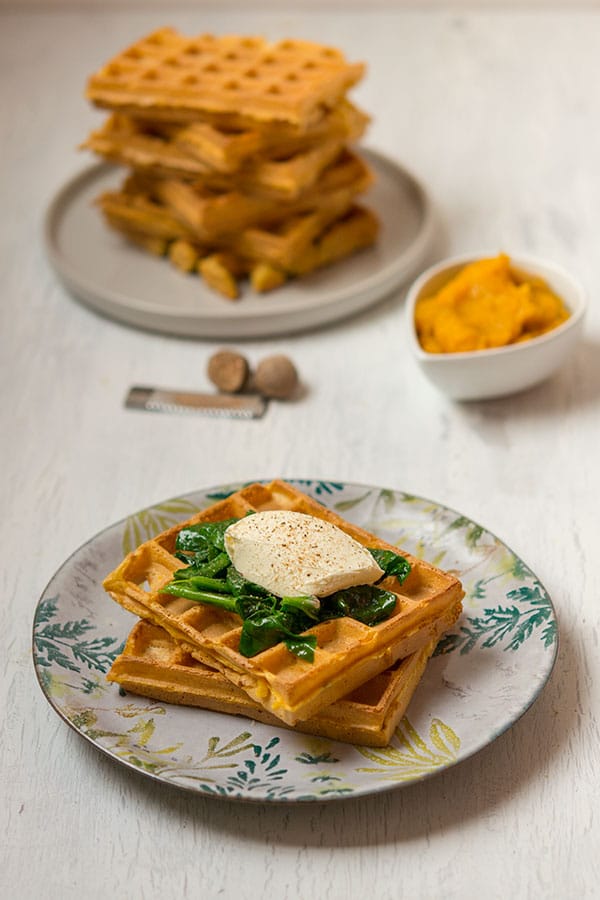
[[497, 112]]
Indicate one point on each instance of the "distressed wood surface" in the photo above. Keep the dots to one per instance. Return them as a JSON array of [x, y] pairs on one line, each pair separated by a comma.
[[497, 112]]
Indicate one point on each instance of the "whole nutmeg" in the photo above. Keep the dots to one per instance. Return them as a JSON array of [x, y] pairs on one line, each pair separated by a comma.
[[276, 376], [228, 370]]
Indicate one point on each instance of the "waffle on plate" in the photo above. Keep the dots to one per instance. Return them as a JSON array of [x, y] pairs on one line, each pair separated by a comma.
[[240, 147], [168, 75], [154, 665], [348, 652]]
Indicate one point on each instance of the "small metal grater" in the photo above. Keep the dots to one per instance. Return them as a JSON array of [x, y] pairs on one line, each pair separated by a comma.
[[233, 406]]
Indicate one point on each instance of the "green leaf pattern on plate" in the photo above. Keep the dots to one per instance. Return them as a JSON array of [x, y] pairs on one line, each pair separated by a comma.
[[149, 522], [259, 767], [412, 758], [320, 488], [62, 643]]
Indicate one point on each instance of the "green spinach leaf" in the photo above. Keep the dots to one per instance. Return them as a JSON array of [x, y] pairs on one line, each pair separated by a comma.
[[302, 645], [260, 632], [239, 585], [198, 544], [207, 569], [187, 590], [391, 563], [248, 605], [365, 602]]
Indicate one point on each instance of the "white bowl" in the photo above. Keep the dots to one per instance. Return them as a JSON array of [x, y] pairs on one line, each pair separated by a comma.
[[480, 374]]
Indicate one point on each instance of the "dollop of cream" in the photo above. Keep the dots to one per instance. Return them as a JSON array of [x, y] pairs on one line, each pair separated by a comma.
[[293, 554]]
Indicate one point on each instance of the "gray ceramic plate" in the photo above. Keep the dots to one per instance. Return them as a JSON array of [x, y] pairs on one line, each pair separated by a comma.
[[115, 278], [486, 672]]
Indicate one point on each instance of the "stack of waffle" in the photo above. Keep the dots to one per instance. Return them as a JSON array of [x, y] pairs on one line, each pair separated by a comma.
[[239, 155], [362, 677]]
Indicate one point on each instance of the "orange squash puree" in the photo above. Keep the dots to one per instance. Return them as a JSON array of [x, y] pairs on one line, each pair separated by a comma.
[[487, 304]]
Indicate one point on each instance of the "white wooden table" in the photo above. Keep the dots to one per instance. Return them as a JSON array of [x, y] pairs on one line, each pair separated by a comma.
[[497, 112]]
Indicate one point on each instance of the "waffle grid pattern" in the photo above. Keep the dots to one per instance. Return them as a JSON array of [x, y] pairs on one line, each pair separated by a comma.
[[154, 665], [348, 652], [288, 81], [268, 160], [212, 215]]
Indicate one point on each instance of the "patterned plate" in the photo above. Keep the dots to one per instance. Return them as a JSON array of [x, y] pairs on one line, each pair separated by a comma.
[[485, 674]]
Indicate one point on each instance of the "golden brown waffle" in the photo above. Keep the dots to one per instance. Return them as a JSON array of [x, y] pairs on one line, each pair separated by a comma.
[[137, 213], [227, 150], [222, 270], [212, 215], [284, 245], [355, 230], [167, 74], [238, 150], [124, 141], [348, 652], [154, 665], [283, 177], [274, 160], [296, 247]]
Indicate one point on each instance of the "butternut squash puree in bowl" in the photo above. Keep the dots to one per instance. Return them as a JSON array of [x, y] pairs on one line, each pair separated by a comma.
[[488, 303], [487, 326]]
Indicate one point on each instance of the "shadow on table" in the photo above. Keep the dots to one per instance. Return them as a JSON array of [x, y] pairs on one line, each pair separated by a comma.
[[520, 760], [575, 387], [473, 789]]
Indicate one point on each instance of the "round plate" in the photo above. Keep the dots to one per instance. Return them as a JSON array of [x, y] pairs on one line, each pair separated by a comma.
[[486, 671], [116, 278]]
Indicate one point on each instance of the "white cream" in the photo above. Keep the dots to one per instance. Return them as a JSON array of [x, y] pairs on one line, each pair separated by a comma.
[[292, 554]]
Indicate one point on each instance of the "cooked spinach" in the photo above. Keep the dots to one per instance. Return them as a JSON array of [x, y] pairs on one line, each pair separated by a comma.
[[259, 632], [308, 606], [199, 544], [240, 585], [391, 563], [186, 589], [364, 602], [302, 645], [209, 577], [248, 605]]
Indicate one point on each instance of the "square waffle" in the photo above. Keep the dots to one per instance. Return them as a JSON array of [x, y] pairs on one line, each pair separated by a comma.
[[348, 653], [302, 245], [153, 665], [356, 229], [353, 232], [172, 76], [283, 176], [274, 159], [212, 215], [291, 245], [130, 211], [145, 147], [228, 149]]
